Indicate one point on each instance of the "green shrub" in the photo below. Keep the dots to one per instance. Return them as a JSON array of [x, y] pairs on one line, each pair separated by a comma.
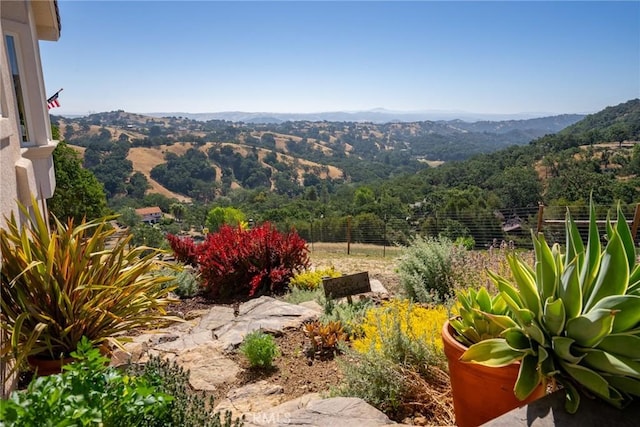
[[298, 295], [87, 393], [349, 315], [219, 216], [185, 283], [398, 361], [376, 380], [188, 408], [404, 333], [311, 279], [260, 349], [426, 269], [466, 242]]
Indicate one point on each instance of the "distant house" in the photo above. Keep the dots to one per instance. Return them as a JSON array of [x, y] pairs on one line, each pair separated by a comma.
[[150, 215]]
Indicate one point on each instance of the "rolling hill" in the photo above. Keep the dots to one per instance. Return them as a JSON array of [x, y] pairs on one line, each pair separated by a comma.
[[284, 155]]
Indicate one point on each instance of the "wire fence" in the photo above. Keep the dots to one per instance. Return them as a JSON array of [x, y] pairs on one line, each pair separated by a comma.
[[369, 234]]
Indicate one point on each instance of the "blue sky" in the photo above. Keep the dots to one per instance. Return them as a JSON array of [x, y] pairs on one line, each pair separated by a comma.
[[210, 56]]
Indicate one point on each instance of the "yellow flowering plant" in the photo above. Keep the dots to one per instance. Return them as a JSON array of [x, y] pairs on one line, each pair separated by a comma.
[[401, 317]]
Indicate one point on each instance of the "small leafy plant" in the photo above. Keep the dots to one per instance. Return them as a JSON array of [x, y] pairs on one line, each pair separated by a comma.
[[324, 338], [297, 295], [349, 315], [184, 282], [480, 317], [426, 269], [260, 349], [89, 393], [312, 279], [86, 393], [188, 408]]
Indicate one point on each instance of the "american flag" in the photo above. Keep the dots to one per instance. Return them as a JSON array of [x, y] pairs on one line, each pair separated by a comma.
[[53, 101]]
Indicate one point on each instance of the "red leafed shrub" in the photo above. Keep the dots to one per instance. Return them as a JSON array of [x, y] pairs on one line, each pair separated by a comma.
[[184, 249], [248, 262]]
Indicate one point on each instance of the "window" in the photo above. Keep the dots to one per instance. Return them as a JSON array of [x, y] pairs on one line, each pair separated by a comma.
[[17, 85]]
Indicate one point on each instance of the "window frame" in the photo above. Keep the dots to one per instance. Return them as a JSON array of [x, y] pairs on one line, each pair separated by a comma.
[[19, 95], [32, 84]]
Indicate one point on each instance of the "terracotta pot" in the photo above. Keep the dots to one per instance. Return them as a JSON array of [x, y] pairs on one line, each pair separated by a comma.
[[480, 393], [44, 367]]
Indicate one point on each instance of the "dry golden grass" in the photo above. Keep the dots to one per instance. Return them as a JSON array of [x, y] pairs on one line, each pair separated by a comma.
[[361, 258], [470, 271], [144, 159]]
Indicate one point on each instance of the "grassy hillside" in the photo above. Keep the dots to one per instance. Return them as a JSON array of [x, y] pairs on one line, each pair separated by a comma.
[[285, 157]]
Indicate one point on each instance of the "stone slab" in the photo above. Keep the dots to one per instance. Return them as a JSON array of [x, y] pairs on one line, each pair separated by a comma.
[[251, 398], [336, 411], [377, 287], [208, 367], [262, 313]]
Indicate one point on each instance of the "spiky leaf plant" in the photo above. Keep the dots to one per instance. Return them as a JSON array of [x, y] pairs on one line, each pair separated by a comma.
[[577, 315], [62, 284], [480, 316]]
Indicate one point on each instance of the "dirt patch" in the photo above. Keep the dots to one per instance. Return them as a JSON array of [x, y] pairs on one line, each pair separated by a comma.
[[292, 370]]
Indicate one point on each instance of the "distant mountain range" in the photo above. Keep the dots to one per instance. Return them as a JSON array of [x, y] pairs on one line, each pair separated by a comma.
[[378, 115]]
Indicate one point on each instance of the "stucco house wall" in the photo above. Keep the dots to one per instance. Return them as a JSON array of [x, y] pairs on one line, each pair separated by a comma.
[[26, 144]]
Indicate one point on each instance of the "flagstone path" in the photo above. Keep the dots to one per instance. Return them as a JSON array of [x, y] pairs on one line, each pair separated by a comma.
[[202, 345]]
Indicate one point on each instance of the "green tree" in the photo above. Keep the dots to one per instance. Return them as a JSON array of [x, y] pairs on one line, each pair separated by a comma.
[[364, 196], [178, 210], [517, 187], [129, 217], [138, 185], [78, 192], [219, 216], [147, 235]]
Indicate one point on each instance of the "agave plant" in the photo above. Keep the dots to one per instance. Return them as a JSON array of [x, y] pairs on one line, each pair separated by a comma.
[[577, 316], [63, 284], [472, 324]]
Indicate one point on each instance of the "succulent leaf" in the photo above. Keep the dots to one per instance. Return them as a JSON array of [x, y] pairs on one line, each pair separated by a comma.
[[493, 352], [617, 365], [591, 263], [613, 275], [535, 332], [626, 385], [546, 270], [626, 345], [572, 397], [587, 378], [529, 377], [562, 347], [516, 339], [590, 328], [624, 232], [526, 285], [575, 246], [554, 316], [570, 291]]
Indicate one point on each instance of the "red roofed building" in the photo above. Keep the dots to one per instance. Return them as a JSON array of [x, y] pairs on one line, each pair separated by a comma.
[[150, 215]]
